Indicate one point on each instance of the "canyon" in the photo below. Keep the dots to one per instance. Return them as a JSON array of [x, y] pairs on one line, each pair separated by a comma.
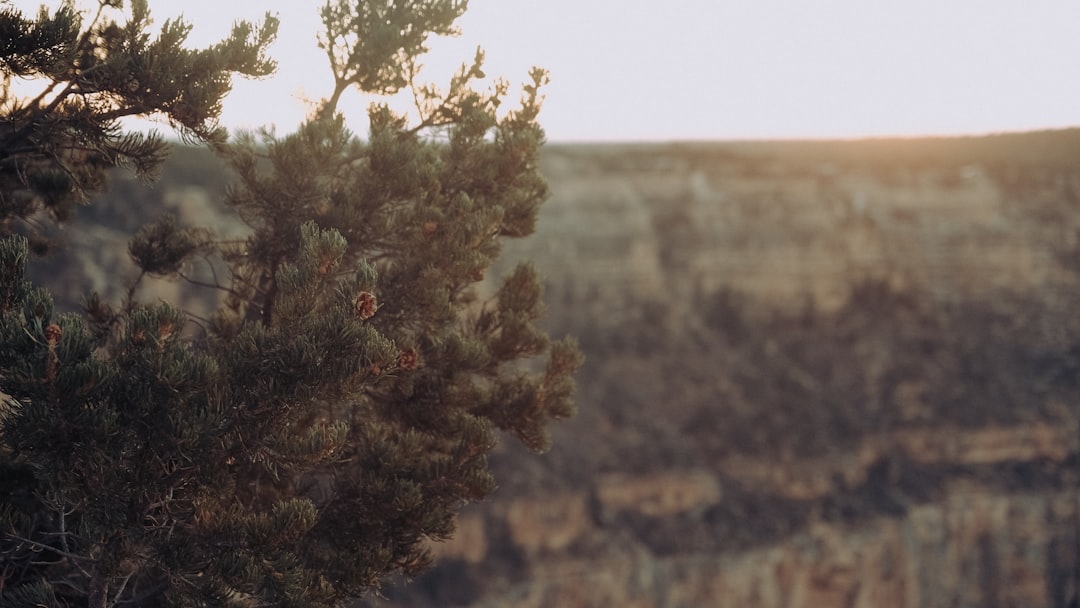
[[649, 500], [818, 374]]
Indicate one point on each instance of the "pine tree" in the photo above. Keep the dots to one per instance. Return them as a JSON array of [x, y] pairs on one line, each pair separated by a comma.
[[338, 409]]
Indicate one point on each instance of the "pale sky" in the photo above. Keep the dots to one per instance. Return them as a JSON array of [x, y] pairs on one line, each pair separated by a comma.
[[634, 70]]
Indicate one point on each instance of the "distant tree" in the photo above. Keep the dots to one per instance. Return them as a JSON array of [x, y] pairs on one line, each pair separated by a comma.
[[337, 410]]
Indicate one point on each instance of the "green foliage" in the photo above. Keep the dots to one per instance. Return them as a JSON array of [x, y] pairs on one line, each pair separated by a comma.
[[161, 247], [337, 410], [372, 44], [94, 71]]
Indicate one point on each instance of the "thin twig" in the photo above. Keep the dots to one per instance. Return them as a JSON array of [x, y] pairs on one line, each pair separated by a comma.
[[120, 591], [214, 285], [139, 599], [44, 547]]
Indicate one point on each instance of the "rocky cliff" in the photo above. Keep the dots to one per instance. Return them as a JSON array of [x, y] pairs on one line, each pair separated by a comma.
[[820, 374], [980, 519]]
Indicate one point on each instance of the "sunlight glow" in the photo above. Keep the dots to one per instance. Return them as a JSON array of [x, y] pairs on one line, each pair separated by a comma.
[[708, 69]]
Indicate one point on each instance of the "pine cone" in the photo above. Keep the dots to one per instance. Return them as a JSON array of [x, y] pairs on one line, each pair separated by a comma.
[[53, 334], [408, 359], [365, 305]]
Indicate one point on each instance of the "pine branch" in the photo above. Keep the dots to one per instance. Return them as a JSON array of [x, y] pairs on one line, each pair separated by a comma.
[[74, 557]]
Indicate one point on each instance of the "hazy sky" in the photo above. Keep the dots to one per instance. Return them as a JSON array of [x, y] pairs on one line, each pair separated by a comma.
[[722, 69]]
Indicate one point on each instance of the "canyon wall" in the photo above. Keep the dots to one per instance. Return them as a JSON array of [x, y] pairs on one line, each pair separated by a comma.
[[993, 522], [926, 492]]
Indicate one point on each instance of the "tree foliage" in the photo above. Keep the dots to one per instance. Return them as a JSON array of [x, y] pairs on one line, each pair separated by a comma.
[[338, 409], [94, 70]]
